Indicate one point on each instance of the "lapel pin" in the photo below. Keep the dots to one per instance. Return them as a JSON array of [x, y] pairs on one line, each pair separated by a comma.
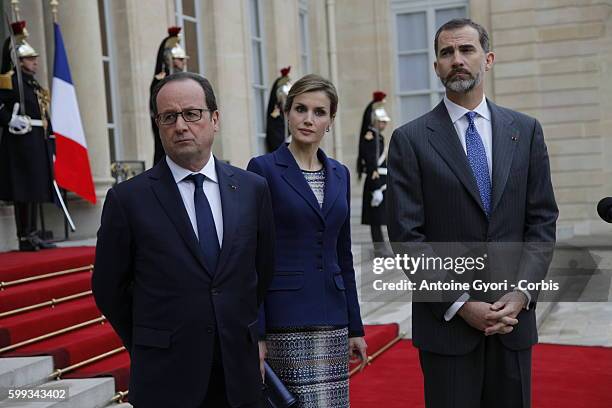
[[514, 138], [233, 187]]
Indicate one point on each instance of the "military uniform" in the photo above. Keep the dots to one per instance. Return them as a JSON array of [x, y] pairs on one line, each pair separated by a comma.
[[276, 133], [372, 163], [26, 159], [169, 49]]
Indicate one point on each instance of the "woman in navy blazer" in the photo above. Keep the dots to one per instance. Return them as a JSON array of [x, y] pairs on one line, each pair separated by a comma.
[[310, 317]]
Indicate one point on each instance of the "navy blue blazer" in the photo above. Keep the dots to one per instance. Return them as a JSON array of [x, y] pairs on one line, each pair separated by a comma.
[[314, 279], [152, 284]]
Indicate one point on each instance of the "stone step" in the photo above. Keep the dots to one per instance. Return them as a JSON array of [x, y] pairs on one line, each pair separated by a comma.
[[23, 371], [82, 393]]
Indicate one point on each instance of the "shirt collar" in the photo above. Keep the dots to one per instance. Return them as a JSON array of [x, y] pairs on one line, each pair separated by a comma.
[[456, 112], [179, 173]]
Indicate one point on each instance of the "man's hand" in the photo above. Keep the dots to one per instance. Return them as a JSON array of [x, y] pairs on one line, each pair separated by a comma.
[[375, 175], [477, 315], [263, 351], [508, 306], [357, 351]]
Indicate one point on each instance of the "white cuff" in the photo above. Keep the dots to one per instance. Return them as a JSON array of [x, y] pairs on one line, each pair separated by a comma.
[[452, 311]]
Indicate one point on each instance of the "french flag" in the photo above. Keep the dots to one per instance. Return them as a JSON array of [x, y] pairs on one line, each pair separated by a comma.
[[72, 170]]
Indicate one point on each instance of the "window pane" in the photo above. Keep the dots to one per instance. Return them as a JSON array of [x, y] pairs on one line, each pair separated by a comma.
[[190, 41], [254, 11], [111, 145], [444, 15], [414, 106], [189, 8], [413, 72], [303, 32], [259, 111], [103, 28], [261, 144], [411, 31], [257, 71], [107, 87]]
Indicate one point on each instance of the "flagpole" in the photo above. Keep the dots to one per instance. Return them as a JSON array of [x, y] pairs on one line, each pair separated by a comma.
[[54, 4], [15, 7]]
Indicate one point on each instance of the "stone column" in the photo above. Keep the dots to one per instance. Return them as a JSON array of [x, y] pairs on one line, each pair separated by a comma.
[[137, 32], [229, 65], [80, 25]]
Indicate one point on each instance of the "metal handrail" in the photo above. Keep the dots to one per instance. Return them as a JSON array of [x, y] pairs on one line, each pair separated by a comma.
[[119, 396], [4, 285], [51, 303], [52, 334], [56, 375], [379, 352]]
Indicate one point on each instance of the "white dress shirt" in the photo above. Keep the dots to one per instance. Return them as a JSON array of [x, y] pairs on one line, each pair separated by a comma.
[[482, 122], [485, 130], [483, 125], [211, 190]]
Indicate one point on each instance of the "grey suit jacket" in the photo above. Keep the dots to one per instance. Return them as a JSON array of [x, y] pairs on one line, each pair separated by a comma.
[[433, 197]]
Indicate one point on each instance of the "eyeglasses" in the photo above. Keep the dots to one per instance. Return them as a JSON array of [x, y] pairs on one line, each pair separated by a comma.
[[189, 115]]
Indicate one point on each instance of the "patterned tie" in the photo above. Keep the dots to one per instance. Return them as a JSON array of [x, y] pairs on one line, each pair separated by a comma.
[[207, 232], [478, 162]]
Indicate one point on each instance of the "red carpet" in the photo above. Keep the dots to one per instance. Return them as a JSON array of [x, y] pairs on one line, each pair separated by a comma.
[[18, 265], [563, 377]]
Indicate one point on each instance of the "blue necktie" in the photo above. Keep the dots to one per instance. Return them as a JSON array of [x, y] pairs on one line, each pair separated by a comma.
[[207, 232], [478, 162]]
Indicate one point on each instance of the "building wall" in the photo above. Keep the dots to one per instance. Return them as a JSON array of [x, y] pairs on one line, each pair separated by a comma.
[[553, 62]]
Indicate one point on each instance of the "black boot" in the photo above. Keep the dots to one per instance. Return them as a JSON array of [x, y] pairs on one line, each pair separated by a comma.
[[28, 244], [41, 243]]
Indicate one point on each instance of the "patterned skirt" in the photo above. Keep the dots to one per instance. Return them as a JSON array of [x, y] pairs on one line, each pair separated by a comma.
[[313, 363]]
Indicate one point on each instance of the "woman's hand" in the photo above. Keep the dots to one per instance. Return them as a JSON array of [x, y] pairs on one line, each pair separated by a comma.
[[357, 351], [263, 351]]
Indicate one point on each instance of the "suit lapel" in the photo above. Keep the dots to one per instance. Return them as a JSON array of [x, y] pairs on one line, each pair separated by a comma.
[[165, 189], [446, 142], [332, 183], [292, 174], [229, 191], [505, 138]]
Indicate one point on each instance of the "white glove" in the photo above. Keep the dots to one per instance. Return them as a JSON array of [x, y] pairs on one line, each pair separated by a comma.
[[377, 198], [19, 124]]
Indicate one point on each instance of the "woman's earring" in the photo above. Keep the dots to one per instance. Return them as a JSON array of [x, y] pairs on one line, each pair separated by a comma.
[[327, 130]]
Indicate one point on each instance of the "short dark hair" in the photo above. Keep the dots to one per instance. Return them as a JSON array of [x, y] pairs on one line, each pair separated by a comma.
[[209, 94], [313, 83], [458, 23]]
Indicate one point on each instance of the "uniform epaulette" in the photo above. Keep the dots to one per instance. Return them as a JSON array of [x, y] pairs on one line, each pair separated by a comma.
[[6, 80]]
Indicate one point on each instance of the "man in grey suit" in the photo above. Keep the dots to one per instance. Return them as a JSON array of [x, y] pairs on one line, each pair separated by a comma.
[[471, 171]]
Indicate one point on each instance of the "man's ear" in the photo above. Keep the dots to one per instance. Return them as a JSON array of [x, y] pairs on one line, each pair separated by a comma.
[[490, 58]]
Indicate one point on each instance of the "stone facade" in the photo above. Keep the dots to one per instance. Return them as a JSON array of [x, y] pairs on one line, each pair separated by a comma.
[[553, 61]]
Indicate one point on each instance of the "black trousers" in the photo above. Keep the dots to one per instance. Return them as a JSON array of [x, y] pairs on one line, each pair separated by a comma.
[[491, 376], [26, 217], [216, 394]]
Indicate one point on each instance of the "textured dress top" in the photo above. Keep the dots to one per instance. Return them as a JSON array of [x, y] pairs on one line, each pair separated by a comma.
[[316, 181]]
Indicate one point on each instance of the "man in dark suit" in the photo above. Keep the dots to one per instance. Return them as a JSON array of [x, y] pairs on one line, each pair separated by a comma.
[[471, 171], [184, 258]]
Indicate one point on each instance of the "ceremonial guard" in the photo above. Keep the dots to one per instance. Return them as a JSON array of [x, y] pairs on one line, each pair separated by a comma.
[[372, 162], [276, 128], [27, 145], [171, 58]]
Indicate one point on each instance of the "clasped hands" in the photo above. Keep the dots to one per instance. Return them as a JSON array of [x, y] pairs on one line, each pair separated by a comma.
[[496, 318]]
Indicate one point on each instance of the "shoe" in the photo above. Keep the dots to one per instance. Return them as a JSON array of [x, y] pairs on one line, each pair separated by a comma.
[[40, 243], [27, 244]]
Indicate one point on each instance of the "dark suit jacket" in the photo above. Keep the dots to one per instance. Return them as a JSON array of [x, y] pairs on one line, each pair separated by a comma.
[[151, 282], [314, 280], [433, 197]]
